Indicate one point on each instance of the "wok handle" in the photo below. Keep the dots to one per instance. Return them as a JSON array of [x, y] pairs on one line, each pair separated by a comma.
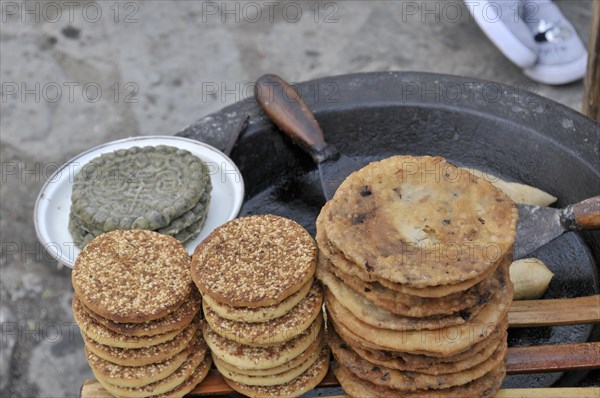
[[283, 104], [586, 213]]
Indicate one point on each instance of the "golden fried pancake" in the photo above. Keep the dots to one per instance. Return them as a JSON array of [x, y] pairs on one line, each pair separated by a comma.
[[101, 334], [261, 358], [132, 276], [276, 331], [435, 367], [402, 360], [340, 262], [408, 380], [258, 314], [313, 349], [443, 342], [194, 362], [376, 315], [301, 384], [274, 379], [485, 387], [254, 261], [461, 304], [421, 221], [176, 320], [146, 355]]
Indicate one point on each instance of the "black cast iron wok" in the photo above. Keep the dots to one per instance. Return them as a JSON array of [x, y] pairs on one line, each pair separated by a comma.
[[505, 130]]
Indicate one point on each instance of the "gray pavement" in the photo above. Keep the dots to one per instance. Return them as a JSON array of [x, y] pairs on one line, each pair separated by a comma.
[[80, 73]]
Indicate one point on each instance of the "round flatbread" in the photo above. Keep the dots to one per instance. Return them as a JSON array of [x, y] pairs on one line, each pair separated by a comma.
[[485, 387], [313, 349], [376, 313], [249, 358], [175, 320], [258, 314], [421, 221], [138, 188], [134, 376], [443, 342], [405, 380], [274, 379], [273, 332], [143, 356], [196, 360], [254, 261], [301, 384], [132, 276], [103, 335], [340, 262]]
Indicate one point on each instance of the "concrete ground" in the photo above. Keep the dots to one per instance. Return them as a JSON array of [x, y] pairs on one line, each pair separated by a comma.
[[80, 73]]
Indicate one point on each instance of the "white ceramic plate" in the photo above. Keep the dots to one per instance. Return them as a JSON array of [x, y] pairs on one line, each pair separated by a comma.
[[52, 207]]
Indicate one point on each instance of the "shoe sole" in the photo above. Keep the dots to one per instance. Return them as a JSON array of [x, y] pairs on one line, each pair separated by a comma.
[[505, 40], [558, 74]]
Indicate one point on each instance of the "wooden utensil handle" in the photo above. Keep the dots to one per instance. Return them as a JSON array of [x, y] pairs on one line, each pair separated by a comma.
[[587, 213], [285, 107], [569, 311]]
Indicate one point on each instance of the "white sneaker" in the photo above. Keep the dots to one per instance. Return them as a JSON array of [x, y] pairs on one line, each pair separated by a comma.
[[562, 55], [501, 22]]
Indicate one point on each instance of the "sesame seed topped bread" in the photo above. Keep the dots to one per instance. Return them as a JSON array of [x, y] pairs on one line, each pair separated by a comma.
[[132, 276], [421, 221], [134, 376], [273, 332], [258, 314], [254, 261], [195, 359], [247, 357], [283, 377], [138, 188], [103, 335], [145, 355], [173, 321], [298, 386], [191, 382], [313, 349]]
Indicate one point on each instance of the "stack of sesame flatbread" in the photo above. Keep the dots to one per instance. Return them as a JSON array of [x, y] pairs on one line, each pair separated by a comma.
[[263, 307], [414, 254], [138, 312], [159, 188]]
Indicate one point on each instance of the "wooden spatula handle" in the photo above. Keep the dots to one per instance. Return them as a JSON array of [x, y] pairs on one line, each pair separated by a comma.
[[587, 213], [285, 107]]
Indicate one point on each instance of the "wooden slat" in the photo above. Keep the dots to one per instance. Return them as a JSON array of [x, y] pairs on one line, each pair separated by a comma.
[[569, 311], [576, 392], [551, 358], [591, 98]]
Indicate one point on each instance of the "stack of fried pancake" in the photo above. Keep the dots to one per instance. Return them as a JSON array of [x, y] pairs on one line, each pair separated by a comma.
[[159, 188], [138, 312], [263, 307], [414, 254]]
